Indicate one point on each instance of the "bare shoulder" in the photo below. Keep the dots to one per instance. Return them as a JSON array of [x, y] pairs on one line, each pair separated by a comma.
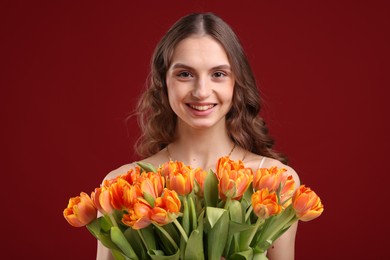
[[156, 160], [119, 171], [269, 162], [254, 161]]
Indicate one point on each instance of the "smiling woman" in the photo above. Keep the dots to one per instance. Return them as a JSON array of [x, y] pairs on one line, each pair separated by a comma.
[[200, 83], [202, 103]]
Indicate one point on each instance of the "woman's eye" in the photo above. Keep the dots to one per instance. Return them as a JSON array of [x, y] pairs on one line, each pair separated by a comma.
[[184, 74], [219, 74]]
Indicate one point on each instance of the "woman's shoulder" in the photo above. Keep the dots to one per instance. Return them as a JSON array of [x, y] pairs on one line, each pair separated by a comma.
[[120, 170], [156, 159], [256, 161]]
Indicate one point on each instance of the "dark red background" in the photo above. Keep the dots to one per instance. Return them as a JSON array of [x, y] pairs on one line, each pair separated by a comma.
[[72, 70]]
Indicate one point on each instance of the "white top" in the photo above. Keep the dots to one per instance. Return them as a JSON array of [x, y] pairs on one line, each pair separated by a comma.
[[262, 162]]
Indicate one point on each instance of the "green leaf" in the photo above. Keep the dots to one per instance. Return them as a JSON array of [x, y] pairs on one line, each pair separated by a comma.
[[246, 237], [236, 215], [185, 222], [264, 245], [149, 237], [247, 198], [243, 255], [218, 225], [235, 227], [118, 255], [149, 198], [104, 237], [94, 227], [235, 211], [173, 232], [147, 167], [194, 248], [192, 212], [120, 240], [274, 227], [262, 235], [105, 223], [136, 242], [156, 252], [164, 242], [159, 255], [211, 189], [213, 215]]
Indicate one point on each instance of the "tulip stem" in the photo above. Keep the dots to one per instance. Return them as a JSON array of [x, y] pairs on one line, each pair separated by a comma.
[[181, 230], [258, 223], [143, 240], [113, 221], [192, 213], [166, 234], [248, 213], [282, 221], [227, 202]]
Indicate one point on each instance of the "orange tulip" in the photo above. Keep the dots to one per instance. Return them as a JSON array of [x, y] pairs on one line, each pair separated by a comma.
[[160, 216], [169, 201], [139, 216], [152, 183], [166, 208], [179, 177], [167, 168], [226, 164], [269, 178], [132, 175], [287, 191], [200, 176], [265, 203], [124, 195], [307, 204], [233, 177], [80, 211], [131, 194], [102, 200]]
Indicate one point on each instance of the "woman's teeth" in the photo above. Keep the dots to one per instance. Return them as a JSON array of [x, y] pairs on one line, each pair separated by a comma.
[[201, 108]]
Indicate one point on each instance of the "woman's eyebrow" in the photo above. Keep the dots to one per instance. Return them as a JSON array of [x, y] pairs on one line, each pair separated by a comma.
[[181, 66], [222, 67], [184, 66]]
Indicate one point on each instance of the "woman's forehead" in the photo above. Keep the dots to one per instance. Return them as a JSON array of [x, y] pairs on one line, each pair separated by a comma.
[[199, 51]]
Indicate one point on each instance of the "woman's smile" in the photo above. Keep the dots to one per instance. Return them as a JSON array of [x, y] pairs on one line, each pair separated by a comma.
[[201, 107], [199, 110]]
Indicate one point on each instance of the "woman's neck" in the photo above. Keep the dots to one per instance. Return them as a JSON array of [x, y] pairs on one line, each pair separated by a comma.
[[200, 147]]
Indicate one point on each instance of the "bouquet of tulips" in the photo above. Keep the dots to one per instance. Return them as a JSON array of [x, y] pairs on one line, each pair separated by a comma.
[[177, 212]]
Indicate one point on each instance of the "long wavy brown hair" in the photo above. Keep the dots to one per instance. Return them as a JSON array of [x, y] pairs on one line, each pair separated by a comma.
[[157, 120]]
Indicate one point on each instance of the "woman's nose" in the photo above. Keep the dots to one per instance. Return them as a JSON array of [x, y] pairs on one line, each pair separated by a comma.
[[202, 89]]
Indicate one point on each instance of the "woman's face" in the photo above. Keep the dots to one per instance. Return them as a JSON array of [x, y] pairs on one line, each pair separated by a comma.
[[200, 82]]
